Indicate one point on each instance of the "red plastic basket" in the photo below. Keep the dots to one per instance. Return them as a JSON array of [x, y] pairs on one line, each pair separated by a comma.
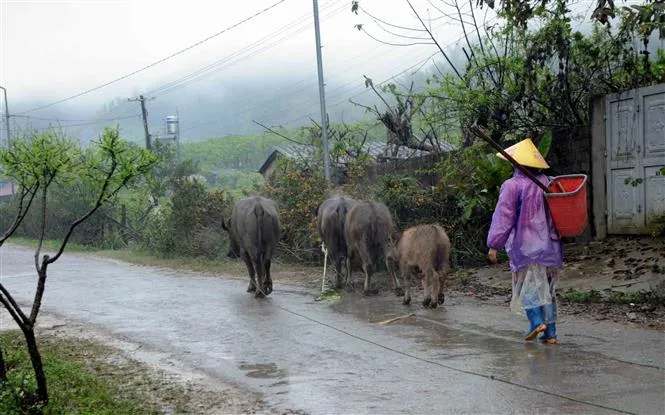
[[567, 200]]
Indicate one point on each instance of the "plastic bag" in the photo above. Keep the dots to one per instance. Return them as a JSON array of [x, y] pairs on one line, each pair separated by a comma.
[[532, 288]]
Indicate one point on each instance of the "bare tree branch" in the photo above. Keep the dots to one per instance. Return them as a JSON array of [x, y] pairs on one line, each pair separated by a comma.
[[12, 312], [20, 215], [14, 304], [277, 133], [445, 55], [390, 24], [400, 35]]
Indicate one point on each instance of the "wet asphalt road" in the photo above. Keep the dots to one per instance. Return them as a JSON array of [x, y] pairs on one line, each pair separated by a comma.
[[333, 357]]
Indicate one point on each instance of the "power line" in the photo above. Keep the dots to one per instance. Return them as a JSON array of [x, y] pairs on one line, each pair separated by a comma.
[[200, 73], [365, 90], [333, 92], [91, 120], [87, 91], [224, 62]]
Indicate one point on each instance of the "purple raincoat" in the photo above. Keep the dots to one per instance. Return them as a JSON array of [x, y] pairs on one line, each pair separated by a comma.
[[522, 224]]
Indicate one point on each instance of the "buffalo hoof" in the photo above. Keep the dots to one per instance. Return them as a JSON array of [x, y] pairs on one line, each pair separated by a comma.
[[432, 304], [268, 288], [251, 288], [371, 291], [259, 294], [442, 298], [426, 302], [406, 301], [399, 291]]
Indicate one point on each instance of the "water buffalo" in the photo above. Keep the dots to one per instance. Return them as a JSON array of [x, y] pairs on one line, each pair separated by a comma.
[[368, 229], [330, 221], [424, 249], [254, 231]]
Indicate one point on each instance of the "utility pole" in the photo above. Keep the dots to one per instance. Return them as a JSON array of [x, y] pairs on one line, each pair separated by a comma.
[[322, 97], [9, 137], [144, 115], [6, 115]]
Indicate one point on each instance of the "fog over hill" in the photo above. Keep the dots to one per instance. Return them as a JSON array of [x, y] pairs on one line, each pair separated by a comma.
[[215, 108]]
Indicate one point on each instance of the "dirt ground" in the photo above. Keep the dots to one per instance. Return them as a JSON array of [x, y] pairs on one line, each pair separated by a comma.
[[159, 379]]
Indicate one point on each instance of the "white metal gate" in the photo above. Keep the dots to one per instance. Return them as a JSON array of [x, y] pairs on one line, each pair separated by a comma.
[[635, 128]]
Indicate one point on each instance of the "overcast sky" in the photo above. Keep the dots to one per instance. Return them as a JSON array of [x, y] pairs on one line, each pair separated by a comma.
[[50, 50], [54, 49]]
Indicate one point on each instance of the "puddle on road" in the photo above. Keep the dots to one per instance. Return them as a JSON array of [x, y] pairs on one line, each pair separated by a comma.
[[262, 370]]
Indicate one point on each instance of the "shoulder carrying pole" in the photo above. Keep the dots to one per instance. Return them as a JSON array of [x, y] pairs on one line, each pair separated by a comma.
[[480, 133]]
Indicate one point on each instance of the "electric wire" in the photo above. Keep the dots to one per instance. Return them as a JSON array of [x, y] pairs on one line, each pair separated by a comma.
[[181, 51]]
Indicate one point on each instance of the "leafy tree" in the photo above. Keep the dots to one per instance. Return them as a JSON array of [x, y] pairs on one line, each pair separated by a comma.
[[37, 162]]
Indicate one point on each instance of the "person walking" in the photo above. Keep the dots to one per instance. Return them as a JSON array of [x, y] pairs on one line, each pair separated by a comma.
[[522, 225]]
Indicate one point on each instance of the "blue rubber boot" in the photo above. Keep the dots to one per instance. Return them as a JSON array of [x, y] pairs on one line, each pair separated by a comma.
[[549, 312], [535, 316]]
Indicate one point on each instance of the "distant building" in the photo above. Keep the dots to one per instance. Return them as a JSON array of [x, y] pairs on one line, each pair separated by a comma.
[[6, 191]]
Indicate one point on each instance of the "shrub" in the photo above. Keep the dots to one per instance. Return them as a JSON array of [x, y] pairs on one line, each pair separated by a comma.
[[189, 223], [298, 190]]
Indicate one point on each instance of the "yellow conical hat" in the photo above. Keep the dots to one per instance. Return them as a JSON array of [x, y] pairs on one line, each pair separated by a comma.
[[526, 154]]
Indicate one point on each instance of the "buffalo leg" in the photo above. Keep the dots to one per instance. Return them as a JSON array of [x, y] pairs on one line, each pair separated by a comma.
[[427, 288], [338, 271], [268, 288], [250, 269], [435, 288], [348, 270], [406, 283], [367, 267], [441, 297], [260, 278], [391, 270]]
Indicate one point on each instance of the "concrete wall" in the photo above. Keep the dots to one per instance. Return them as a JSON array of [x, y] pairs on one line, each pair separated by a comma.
[[582, 150], [598, 159], [408, 166]]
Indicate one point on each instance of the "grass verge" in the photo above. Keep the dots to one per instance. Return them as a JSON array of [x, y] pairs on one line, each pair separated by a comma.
[[614, 297], [83, 378]]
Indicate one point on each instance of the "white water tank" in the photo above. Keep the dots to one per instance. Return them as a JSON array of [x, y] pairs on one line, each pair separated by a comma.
[[172, 124]]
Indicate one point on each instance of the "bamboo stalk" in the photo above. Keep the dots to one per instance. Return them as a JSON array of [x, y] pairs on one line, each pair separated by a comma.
[[480, 133]]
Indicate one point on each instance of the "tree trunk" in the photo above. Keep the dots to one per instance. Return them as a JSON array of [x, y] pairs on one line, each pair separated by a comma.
[[37, 366], [3, 367]]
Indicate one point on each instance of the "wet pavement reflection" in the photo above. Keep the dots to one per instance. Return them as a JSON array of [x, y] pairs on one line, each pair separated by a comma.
[[333, 357]]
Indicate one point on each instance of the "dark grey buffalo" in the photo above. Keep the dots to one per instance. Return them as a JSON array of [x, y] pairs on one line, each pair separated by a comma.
[[254, 231], [330, 222], [368, 229]]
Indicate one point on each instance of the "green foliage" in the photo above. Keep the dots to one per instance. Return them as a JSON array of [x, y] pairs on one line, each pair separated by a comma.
[[73, 386], [231, 152], [73, 182], [298, 189], [576, 296], [522, 81], [189, 223], [462, 201]]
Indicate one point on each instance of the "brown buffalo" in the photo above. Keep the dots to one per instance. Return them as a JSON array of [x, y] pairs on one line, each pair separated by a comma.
[[368, 229], [330, 222], [424, 249], [254, 231]]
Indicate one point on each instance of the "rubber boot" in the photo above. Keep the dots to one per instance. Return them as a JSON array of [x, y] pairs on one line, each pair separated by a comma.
[[549, 312], [535, 316]]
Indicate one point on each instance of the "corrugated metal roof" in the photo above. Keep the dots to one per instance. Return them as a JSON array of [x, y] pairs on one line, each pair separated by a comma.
[[374, 149]]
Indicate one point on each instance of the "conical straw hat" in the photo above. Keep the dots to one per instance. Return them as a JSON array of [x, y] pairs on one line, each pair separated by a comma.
[[526, 154]]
